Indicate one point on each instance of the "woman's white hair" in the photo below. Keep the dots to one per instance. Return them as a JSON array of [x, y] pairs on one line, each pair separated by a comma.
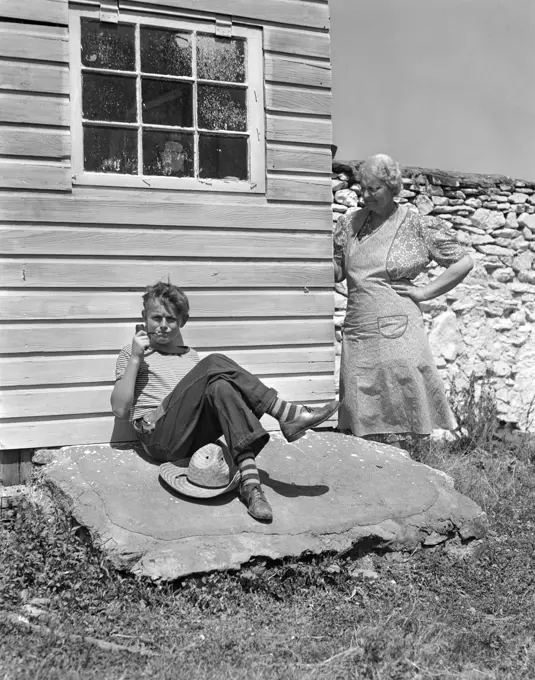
[[383, 168]]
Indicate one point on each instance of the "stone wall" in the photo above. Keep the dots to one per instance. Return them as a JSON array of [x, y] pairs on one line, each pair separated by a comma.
[[485, 326]]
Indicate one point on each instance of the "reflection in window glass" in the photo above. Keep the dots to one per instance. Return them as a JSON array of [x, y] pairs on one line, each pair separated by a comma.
[[167, 102], [167, 52], [169, 154], [107, 46], [221, 108], [220, 59], [110, 98], [108, 149], [223, 157]]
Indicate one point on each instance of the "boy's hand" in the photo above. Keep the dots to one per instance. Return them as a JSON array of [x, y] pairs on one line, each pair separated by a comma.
[[140, 343]]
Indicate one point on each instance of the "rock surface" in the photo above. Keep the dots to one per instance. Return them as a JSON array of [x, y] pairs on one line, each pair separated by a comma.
[[328, 492]]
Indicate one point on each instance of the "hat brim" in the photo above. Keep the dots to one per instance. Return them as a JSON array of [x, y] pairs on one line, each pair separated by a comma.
[[175, 475]]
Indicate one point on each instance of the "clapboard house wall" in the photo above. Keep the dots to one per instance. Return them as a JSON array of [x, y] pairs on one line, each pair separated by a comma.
[[75, 259]]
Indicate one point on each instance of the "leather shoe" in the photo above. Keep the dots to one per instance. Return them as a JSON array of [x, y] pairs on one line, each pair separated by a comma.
[[256, 503], [309, 417]]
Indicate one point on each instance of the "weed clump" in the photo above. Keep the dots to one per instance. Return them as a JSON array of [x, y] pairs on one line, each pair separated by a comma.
[[496, 473], [42, 555], [474, 406]]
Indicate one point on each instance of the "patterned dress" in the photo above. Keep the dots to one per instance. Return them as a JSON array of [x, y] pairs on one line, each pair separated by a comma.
[[388, 379]]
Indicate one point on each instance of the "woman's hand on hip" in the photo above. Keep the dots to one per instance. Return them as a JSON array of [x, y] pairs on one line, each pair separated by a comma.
[[449, 278], [408, 289]]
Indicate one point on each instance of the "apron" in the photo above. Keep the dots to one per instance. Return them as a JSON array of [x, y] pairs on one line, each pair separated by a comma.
[[388, 379]]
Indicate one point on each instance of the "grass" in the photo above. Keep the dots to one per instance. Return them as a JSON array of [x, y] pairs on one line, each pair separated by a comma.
[[438, 613]]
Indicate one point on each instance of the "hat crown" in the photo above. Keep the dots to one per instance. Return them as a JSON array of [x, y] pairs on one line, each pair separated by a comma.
[[211, 467]]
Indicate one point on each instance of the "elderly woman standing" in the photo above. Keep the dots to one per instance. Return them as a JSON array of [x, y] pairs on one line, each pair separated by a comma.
[[390, 388]]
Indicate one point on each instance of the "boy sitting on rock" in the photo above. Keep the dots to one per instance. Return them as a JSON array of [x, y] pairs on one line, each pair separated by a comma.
[[178, 403]]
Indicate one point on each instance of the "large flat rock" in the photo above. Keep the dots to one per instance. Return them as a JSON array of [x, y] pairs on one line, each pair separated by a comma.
[[328, 492]]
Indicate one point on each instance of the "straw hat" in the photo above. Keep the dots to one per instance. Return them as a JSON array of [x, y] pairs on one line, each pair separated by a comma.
[[208, 473]]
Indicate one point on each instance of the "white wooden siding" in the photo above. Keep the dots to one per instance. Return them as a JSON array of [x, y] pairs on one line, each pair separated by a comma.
[[46, 78], [90, 399], [75, 337], [34, 41], [36, 11], [93, 429], [101, 273], [74, 263], [297, 158], [97, 368], [33, 109], [40, 142], [284, 98], [151, 210], [301, 42], [303, 13], [29, 174], [162, 243], [34, 94]]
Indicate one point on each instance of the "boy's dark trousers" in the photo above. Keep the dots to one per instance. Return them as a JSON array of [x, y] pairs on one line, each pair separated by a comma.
[[217, 397]]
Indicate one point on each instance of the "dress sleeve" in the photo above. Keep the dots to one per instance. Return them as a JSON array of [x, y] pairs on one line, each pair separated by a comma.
[[441, 241], [122, 362], [345, 226]]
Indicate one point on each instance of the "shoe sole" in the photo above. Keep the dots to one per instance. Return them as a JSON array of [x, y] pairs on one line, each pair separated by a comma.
[[301, 433], [258, 519], [267, 520]]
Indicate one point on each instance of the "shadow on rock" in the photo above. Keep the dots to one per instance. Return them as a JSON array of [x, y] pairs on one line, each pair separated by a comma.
[[292, 490], [225, 499], [136, 446]]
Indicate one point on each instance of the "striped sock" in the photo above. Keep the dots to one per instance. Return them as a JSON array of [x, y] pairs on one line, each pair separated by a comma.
[[247, 466], [283, 410]]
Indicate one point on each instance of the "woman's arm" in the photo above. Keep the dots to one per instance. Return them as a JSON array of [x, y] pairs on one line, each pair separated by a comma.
[[449, 278], [347, 226], [339, 273], [122, 395]]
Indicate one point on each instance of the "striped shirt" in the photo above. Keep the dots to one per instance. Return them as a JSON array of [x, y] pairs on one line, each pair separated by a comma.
[[157, 376]]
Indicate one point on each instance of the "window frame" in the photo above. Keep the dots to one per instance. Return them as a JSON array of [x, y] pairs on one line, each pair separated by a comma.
[[255, 109]]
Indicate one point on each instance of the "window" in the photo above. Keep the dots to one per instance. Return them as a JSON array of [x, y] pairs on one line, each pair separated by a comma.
[[166, 103]]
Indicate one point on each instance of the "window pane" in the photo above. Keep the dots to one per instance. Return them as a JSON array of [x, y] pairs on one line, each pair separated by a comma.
[[109, 98], [166, 52], [221, 108], [167, 102], [109, 149], [167, 153], [220, 59], [222, 157], [108, 46]]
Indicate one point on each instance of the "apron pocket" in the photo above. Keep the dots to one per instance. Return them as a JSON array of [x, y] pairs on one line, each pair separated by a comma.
[[392, 327]]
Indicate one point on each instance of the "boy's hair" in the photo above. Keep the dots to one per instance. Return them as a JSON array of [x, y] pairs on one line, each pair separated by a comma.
[[170, 294]]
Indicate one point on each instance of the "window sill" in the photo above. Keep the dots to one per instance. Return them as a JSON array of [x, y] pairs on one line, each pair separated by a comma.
[[173, 183]]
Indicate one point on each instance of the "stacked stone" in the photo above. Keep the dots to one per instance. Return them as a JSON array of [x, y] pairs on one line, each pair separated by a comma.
[[484, 326]]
